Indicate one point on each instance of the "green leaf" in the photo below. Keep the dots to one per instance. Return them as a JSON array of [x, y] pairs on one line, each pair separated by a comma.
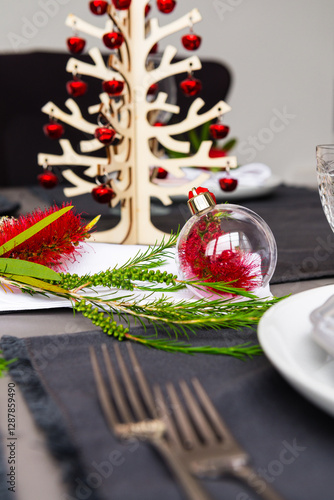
[[229, 145], [195, 141], [175, 154], [39, 284], [31, 231], [25, 268], [205, 135]]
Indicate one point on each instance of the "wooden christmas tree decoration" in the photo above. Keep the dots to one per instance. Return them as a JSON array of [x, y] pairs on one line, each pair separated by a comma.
[[129, 116]]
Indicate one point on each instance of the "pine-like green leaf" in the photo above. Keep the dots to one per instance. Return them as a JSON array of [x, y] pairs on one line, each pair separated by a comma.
[[229, 145], [194, 139], [205, 131], [25, 268], [31, 231]]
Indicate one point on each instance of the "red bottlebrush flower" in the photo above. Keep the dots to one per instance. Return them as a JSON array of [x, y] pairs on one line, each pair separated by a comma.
[[51, 246]]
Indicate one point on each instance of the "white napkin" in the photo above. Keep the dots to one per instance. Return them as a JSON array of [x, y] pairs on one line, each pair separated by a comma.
[[253, 174], [322, 319]]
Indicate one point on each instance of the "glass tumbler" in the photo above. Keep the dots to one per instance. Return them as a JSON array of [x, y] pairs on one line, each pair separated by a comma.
[[325, 174]]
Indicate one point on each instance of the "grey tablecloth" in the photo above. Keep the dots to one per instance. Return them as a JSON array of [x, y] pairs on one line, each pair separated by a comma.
[[290, 441], [294, 214]]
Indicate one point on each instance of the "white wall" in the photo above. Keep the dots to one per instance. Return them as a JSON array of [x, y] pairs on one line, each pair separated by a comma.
[[280, 53]]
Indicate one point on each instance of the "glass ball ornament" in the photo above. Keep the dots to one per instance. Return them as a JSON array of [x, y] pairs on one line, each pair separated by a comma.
[[225, 243]]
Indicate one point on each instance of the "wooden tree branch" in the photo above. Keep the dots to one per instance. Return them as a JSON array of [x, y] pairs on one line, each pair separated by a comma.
[[70, 157], [199, 159], [75, 119], [166, 68], [96, 70], [161, 104], [79, 24], [193, 119], [121, 20], [158, 32]]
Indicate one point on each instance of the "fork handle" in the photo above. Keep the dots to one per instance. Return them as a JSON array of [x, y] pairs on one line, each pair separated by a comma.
[[191, 487], [257, 483]]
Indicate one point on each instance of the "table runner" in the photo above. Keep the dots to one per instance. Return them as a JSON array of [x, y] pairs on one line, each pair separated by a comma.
[[304, 239], [290, 440]]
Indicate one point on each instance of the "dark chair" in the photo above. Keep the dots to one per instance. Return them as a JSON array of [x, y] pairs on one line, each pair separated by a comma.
[[30, 80]]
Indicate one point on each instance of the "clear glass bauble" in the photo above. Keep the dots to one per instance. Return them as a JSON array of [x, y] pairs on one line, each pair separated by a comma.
[[226, 243]]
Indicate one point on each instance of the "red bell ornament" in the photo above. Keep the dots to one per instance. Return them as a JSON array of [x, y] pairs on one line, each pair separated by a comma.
[[166, 6], [191, 86], [113, 87], [103, 194], [104, 134], [162, 173], [53, 130], [98, 7], [159, 173], [147, 9], [219, 131], [191, 41], [76, 88], [47, 180], [228, 184], [153, 89], [121, 4], [154, 49], [113, 40], [76, 44]]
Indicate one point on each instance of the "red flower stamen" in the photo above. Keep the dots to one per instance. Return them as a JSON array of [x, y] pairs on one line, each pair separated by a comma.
[[51, 246]]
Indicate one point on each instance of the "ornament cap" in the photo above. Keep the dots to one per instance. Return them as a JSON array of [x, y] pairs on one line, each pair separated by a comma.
[[200, 200]]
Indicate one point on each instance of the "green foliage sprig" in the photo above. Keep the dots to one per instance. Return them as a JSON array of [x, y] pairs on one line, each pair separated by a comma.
[[175, 318], [139, 279]]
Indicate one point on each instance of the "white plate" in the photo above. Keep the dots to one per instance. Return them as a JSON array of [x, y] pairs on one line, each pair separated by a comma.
[[92, 258], [285, 334]]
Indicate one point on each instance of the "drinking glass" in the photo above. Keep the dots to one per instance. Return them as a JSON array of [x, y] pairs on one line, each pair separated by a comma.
[[325, 173]]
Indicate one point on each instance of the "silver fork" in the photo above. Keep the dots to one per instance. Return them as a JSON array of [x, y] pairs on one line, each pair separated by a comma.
[[136, 416], [200, 438]]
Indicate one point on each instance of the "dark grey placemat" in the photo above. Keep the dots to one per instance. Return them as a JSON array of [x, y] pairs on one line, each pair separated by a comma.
[[7, 207], [290, 440], [304, 239]]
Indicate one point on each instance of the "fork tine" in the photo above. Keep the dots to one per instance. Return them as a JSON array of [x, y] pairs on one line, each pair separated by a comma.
[[119, 398], [142, 382], [189, 437], [200, 420], [214, 416], [102, 390], [136, 404], [164, 414]]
